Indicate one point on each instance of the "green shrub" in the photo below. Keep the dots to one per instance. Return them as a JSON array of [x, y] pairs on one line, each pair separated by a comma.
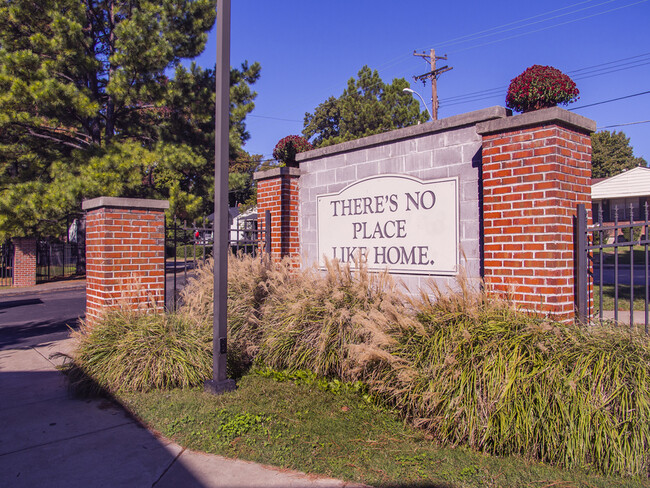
[[631, 234], [139, 351], [605, 234]]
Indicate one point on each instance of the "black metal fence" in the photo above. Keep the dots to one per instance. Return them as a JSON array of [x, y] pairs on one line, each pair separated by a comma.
[[56, 260], [6, 264], [187, 246], [612, 268]]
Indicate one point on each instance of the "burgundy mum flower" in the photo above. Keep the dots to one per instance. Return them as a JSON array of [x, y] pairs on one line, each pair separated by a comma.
[[286, 149], [540, 87]]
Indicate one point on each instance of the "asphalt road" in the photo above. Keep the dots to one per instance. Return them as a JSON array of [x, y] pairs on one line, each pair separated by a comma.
[[623, 275], [29, 320]]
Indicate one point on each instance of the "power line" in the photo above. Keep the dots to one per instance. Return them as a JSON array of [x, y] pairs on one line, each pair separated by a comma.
[[611, 100], [549, 27], [610, 62], [274, 118], [622, 125], [613, 69], [494, 92], [486, 32], [469, 37], [396, 60]]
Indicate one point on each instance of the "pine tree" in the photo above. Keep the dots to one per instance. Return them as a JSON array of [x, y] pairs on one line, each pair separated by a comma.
[[612, 154], [87, 107], [367, 106]]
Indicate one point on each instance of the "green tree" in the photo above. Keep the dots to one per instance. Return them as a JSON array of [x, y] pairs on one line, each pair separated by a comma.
[[612, 154], [86, 107], [367, 106]]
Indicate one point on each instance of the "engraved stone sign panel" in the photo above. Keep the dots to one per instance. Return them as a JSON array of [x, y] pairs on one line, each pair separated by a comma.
[[398, 222]]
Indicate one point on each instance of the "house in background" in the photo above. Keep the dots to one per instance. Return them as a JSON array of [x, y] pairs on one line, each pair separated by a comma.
[[623, 193]]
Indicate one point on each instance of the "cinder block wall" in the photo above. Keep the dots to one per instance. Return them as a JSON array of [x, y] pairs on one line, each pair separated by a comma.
[[444, 148], [521, 178], [125, 254]]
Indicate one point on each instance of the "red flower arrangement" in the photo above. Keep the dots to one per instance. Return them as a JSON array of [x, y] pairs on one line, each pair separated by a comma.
[[286, 149], [540, 87]]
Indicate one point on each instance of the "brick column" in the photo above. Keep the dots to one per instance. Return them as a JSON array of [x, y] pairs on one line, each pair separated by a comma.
[[24, 271], [277, 191], [536, 169], [125, 254]]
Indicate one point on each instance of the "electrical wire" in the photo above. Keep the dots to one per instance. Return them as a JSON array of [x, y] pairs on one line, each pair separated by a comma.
[[549, 27], [274, 118], [468, 37], [473, 37], [611, 100], [588, 72], [623, 125]]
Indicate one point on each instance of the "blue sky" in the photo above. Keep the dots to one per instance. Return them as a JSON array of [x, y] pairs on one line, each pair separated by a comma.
[[308, 50]]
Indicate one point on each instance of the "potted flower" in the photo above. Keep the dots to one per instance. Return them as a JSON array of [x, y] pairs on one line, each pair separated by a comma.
[[540, 87], [286, 149]]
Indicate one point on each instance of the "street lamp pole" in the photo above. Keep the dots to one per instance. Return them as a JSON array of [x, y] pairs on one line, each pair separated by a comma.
[[219, 383], [423, 102]]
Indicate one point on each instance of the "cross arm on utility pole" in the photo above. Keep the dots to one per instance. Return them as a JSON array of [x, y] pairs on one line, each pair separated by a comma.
[[432, 75]]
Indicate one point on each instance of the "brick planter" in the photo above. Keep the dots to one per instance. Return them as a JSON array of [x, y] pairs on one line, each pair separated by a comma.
[[536, 169], [277, 191]]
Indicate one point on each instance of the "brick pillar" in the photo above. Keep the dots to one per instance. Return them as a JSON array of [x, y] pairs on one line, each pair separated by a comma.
[[125, 254], [277, 191], [24, 271], [536, 169]]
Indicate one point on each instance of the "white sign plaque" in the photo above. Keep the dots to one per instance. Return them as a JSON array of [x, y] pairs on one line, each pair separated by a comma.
[[392, 221]]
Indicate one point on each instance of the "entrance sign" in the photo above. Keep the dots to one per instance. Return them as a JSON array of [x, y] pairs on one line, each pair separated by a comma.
[[398, 222]]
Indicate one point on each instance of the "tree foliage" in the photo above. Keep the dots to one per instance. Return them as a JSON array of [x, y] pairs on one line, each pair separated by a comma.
[[612, 154], [87, 107], [367, 106]]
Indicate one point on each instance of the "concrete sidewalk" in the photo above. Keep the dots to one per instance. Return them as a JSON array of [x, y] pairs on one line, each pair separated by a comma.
[[48, 438]]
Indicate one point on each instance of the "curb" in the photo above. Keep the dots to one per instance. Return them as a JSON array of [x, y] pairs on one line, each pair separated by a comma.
[[44, 288]]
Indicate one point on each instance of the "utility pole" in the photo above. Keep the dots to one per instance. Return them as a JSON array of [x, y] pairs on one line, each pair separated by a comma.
[[432, 75]]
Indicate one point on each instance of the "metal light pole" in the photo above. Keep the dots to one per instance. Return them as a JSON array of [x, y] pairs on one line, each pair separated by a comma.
[[219, 383], [423, 102]]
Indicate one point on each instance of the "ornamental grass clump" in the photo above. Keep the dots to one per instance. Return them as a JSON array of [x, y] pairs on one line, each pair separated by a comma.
[[540, 87], [465, 367], [312, 321], [249, 280], [128, 350], [477, 373]]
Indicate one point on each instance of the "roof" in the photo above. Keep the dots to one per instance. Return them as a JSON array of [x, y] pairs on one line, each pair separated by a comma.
[[631, 183]]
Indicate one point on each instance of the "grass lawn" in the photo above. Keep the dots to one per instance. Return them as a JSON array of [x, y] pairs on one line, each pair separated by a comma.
[[623, 297], [623, 255], [300, 427]]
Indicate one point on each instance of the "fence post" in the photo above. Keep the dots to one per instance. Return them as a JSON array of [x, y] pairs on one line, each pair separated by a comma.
[[581, 264], [267, 232]]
